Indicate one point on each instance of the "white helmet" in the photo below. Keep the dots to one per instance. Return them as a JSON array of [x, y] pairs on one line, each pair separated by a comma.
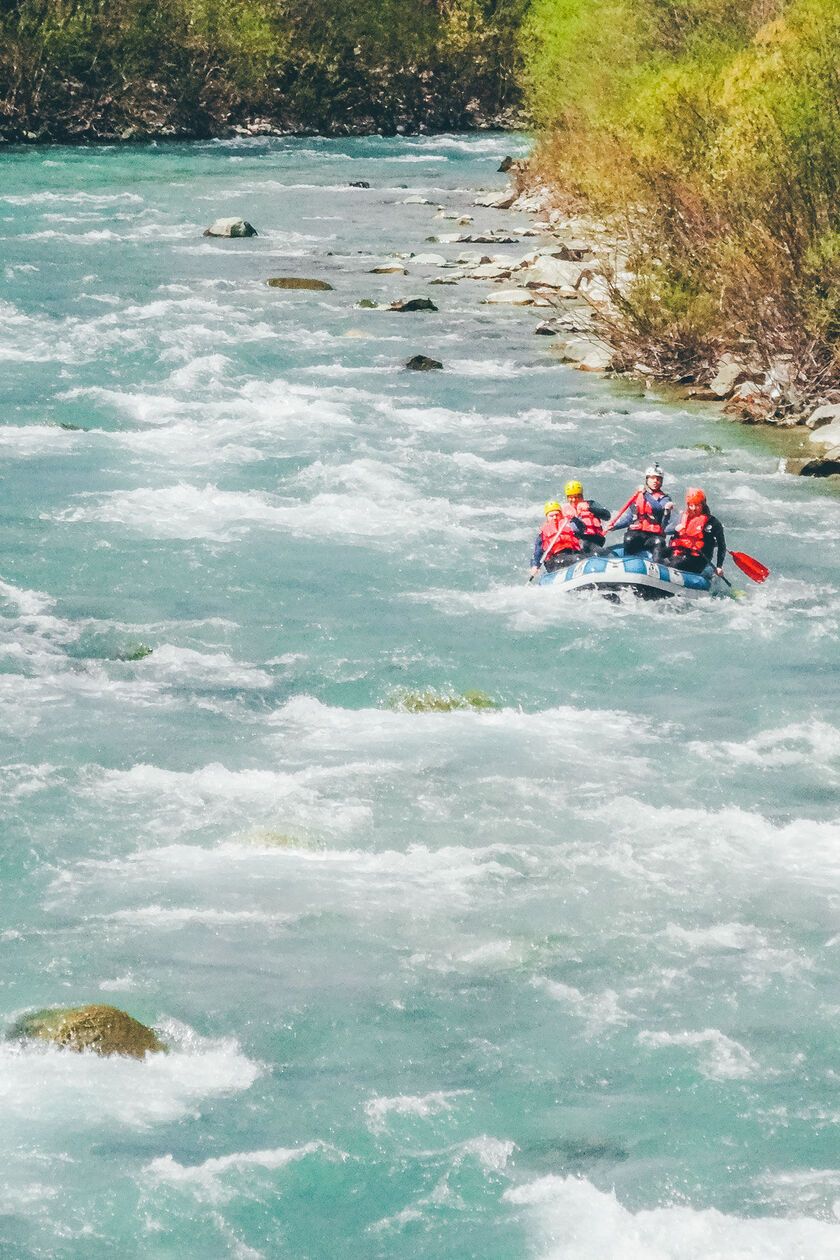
[[654, 471]]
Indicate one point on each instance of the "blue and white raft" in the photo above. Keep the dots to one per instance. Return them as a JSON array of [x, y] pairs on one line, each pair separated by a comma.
[[613, 572]]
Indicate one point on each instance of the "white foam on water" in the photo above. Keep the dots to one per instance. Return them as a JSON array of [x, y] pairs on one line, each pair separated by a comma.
[[721, 1058], [172, 918], [802, 744], [178, 666], [34, 440], [379, 1109], [598, 1011], [572, 1220], [175, 803], [58, 1090], [718, 936], [207, 1180]]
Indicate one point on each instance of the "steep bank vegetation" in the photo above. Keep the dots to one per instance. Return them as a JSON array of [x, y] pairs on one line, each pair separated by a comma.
[[76, 69], [713, 127]]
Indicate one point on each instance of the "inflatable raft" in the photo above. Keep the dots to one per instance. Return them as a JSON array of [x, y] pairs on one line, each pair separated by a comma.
[[613, 572]]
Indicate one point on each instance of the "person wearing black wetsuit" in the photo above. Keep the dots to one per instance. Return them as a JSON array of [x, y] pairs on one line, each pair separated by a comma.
[[696, 537]]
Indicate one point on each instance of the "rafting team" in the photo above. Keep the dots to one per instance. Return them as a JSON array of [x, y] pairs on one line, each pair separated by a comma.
[[578, 526]]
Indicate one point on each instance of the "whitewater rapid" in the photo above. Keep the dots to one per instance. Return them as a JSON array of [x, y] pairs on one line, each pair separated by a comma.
[[553, 976]]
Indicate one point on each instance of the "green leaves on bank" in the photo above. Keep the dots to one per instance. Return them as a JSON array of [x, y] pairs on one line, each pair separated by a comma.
[[713, 126]]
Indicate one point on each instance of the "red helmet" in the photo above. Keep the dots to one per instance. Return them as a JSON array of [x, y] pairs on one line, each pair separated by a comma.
[[695, 498]]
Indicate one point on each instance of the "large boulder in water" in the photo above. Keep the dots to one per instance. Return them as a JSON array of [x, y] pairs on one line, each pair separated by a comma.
[[231, 227], [103, 1029], [298, 282]]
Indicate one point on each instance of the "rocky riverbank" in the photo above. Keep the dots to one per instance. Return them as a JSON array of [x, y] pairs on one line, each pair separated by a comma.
[[580, 273]]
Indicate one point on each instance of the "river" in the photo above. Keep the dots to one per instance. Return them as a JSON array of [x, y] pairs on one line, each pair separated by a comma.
[[555, 978]]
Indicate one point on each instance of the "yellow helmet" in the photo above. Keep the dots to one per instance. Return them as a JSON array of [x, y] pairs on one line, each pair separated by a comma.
[[573, 487], [552, 506]]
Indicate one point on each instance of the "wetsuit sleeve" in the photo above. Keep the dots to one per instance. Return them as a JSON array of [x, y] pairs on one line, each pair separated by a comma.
[[667, 509], [598, 509], [719, 540], [626, 518], [538, 552], [578, 526]]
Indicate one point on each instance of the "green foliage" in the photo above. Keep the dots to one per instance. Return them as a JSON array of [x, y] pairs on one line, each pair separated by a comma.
[[714, 127], [191, 66]]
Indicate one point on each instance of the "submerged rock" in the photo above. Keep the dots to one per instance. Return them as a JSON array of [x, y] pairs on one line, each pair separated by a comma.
[[422, 363], [231, 227], [413, 304], [103, 1029], [297, 282], [430, 701], [359, 183]]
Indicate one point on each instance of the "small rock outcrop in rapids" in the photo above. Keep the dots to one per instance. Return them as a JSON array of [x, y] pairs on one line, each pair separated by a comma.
[[103, 1029]]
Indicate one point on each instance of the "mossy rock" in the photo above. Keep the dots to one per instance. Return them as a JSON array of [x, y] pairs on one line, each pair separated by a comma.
[[134, 652], [105, 1030], [298, 282], [407, 701]]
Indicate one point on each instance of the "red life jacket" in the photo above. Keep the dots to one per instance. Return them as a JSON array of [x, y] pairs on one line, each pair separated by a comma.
[[689, 537], [645, 520], [592, 526], [566, 540]]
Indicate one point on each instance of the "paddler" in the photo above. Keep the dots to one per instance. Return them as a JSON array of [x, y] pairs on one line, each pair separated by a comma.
[[589, 512], [646, 516], [559, 540], [696, 537]]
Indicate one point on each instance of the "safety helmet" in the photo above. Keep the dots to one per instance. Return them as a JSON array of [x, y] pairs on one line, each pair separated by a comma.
[[552, 506], [695, 497], [654, 471], [572, 487]]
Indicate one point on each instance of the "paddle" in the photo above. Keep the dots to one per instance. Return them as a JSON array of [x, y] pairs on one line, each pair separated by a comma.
[[547, 550], [753, 568], [611, 523]]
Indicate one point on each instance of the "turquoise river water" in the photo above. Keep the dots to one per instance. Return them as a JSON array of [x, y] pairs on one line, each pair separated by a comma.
[[552, 979]]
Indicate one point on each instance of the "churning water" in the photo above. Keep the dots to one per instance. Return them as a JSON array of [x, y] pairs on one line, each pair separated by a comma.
[[555, 978]]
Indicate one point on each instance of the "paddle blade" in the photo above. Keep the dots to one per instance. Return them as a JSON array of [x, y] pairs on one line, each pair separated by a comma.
[[747, 564]]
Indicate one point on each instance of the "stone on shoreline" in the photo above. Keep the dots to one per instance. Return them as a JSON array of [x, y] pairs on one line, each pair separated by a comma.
[[511, 297], [422, 363], [298, 282], [231, 227], [105, 1030], [428, 260], [827, 465], [497, 200], [389, 269], [731, 371], [828, 413]]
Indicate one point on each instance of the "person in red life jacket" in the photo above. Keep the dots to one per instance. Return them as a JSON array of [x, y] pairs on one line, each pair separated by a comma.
[[559, 540], [646, 517], [696, 537], [589, 512]]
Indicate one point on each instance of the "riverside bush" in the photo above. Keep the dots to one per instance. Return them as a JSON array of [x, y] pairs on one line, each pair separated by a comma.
[[713, 127]]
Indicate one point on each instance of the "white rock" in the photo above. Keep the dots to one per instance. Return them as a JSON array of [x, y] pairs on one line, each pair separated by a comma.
[[825, 415], [829, 434], [429, 260], [554, 273], [415, 199], [231, 227], [497, 200], [512, 297], [490, 271], [729, 368], [389, 269], [589, 354]]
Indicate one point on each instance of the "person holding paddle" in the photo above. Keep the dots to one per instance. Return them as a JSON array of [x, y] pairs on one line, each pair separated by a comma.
[[558, 542], [646, 516], [696, 536]]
